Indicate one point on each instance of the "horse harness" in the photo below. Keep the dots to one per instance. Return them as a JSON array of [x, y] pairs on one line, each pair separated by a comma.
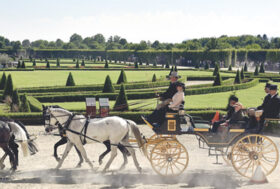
[[62, 130]]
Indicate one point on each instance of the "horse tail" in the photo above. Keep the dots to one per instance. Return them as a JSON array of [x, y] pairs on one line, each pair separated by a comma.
[[137, 134], [21, 136], [32, 146]]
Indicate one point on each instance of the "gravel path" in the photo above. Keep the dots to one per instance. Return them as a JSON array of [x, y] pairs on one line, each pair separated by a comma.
[[37, 171]]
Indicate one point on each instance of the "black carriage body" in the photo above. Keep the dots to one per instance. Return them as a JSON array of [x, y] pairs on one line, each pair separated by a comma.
[[171, 125]]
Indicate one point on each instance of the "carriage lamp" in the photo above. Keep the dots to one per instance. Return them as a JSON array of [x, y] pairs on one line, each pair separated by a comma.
[[181, 112]]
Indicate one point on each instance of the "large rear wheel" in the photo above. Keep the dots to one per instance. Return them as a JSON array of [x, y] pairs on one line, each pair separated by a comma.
[[252, 151]]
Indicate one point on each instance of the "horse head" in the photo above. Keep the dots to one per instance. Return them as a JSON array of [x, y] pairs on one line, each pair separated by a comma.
[[54, 115]]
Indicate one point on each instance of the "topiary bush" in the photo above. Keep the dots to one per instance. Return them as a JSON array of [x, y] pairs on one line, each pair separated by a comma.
[[70, 80], [245, 68], [77, 64], [256, 70], [48, 64], [237, 78], [216, 69], [175, 69], [230, 68], [15, 101], [106, 64], [242, 74], [34, 62], [108, 86], [136, 65], [19, 64], [9, 87], [24, 107], [262, 70], [57, 62], [218, 79], [154, 79], [122, 78], [23, 64], [3, 81], [121, 101], [206, 66], [83, 63]]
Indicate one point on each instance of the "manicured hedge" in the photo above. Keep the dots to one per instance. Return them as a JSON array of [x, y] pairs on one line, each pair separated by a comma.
[[144, 95], [99, 87], [225, 88], [35, 105]]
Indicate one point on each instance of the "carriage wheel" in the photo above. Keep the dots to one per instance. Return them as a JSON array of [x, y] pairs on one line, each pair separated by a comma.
[[252, 151], [226, 154], [169, 158], [150, 145]]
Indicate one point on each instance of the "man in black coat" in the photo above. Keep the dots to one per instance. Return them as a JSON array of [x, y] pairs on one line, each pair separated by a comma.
[[266, 98], [172, 87], [272, 109]]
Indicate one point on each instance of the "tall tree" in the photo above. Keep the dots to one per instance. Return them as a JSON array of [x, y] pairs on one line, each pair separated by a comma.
[[262, 70]]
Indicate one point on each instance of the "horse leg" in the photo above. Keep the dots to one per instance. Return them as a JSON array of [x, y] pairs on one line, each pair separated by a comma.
[[11, 156], [125, 142], [66, 151], [62, 141], [113, 155], [2, 166], [14, 147], [125, 153], [80, 156], [108, 146], [82, 150]]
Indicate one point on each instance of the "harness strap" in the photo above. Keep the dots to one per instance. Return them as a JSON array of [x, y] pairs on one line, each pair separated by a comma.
[[85, 131]]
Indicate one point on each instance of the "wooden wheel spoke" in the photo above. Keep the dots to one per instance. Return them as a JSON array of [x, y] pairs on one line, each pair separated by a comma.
[[248, 167], [241, 159]]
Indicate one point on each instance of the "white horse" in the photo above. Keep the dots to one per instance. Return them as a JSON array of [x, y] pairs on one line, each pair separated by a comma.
[[115, 129]]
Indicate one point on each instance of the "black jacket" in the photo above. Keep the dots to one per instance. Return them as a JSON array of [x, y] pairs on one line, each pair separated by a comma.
[[272, 109], [229, 113], [170, 91], [265, 102]]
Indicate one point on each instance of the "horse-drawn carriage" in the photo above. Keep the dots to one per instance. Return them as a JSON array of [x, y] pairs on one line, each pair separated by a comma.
[[243, 148]]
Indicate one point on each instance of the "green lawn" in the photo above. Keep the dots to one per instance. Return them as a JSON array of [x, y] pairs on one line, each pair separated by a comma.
[[251, 97], [23, 79]]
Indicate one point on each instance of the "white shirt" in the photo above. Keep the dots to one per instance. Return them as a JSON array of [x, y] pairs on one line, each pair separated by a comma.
[[177, 100]]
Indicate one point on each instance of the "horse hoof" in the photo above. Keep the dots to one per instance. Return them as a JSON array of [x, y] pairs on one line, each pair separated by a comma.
[[57, 159], [100, 162], [139, 170], [78, 166]]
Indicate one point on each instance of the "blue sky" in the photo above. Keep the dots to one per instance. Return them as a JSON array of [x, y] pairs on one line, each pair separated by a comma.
[[164, 20]]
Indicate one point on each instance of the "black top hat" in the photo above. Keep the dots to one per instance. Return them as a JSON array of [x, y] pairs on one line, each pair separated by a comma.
[[273, 87], [267, 85]]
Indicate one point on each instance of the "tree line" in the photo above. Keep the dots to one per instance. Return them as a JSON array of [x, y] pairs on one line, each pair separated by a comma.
[[99, 42]]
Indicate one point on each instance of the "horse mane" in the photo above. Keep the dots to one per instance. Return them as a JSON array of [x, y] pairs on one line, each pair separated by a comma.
[[60, 110]]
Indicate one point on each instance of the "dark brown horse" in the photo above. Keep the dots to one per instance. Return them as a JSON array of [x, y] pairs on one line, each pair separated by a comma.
[[5, 139]]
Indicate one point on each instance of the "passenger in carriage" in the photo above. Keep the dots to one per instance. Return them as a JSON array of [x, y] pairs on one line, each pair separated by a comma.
[[273, 105], [266, 98], [158, 116], [166, 97], [234, 114]]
